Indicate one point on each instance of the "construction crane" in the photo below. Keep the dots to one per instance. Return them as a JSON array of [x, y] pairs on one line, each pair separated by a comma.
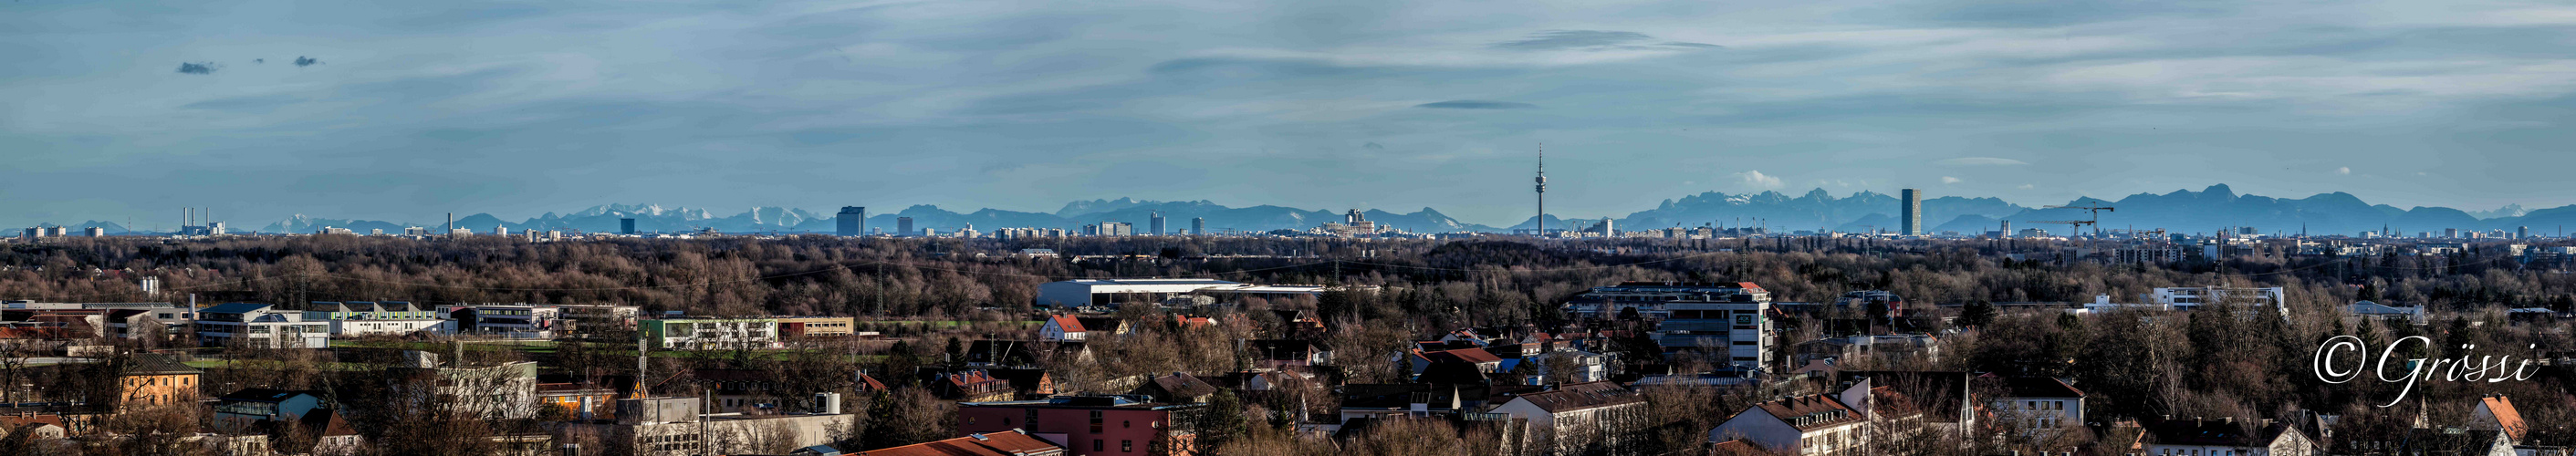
[[2096, 211], [2073, 227]]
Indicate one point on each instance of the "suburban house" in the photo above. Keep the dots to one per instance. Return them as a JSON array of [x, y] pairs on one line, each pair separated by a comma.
[[1177, 388], [1062, 328], [1484, 361], [2496, 413], [1008, 443], [1579, 416]]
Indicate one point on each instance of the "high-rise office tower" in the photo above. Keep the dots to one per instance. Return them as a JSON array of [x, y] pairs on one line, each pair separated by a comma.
[[626, 225], [1157, 222], [903, 226], [1913, 212], [1198, 226], [853, 221]]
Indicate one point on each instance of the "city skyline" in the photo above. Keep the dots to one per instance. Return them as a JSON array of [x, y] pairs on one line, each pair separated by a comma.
[[252, 110]]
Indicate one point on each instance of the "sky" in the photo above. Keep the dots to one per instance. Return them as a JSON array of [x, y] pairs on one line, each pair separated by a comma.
[[403, 111]]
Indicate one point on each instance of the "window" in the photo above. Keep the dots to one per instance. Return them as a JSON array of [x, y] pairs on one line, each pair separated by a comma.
[[1095, 422], [1126, 446], [1096, 444], [1031, 419], [1123, 424]]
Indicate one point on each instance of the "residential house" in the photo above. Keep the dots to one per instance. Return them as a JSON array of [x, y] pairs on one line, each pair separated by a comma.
[[2034, 405], [1023, 354], [816, 326], [1483, 360], [972, 385], [389, 318], [1577, 417], [1177, 388], [2387, 313], [1819, 424], [672, 426], [2496, 413], [259, 326], [1008, 443], [2226, 437], [515, 321], [499, 391], [595, 319], [1062, 328], [154, 379], [1279, 353], [693, 333], [2454, 441], [1089, 425], [242, 408]]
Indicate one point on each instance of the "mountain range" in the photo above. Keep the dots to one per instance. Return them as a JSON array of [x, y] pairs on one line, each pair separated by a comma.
[[2205, 210]]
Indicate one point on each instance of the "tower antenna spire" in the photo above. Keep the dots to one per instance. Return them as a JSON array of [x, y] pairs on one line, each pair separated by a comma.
[[1542, 189]]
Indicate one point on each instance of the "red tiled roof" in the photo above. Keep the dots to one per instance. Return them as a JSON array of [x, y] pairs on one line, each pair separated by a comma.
[[1011, 443], [1070, 324], [2505, 415]]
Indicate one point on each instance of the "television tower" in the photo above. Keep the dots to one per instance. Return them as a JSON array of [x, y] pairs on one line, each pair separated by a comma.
[[1542, 190]]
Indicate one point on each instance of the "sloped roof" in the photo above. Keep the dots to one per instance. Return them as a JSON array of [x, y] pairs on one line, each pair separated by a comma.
[[1821, 411], [1582, 396], [2506, 416], [2035, 386], [156, 364], [1108, 324], [1183, 385], [1466, 355], [260, 395], [2212, 432], [1068, 323], [1013, 443], [236, 307], [330, 424]]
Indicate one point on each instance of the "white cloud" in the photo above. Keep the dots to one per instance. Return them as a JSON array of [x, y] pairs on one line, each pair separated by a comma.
[[1755, 179], [2344, 170], [1949, 180], [1983, 161], [2027, 187]]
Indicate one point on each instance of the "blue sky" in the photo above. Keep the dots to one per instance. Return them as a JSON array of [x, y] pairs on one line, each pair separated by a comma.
[[110, 110]]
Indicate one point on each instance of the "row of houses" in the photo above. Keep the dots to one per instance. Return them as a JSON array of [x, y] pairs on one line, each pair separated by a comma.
[[314, 324]]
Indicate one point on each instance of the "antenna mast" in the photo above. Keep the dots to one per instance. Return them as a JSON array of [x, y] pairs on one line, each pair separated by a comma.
[[1542, 190]]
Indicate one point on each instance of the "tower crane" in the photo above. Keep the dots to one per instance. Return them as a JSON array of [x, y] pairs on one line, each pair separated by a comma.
[[2073, 227], [2096, 221]]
